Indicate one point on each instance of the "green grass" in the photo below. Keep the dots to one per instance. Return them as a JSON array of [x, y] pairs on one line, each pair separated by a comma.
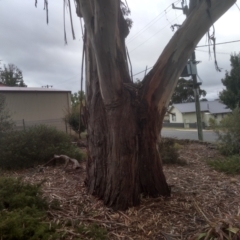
[[228, 165]]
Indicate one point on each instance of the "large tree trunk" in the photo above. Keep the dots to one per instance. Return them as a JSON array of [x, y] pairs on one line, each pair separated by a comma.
[[123, 156], [124, 119]]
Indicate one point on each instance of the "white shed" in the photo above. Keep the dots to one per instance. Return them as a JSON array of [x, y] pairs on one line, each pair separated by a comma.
[[34, 106]]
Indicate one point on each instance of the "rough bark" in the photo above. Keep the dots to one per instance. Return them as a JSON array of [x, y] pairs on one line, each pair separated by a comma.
[[124, 119]]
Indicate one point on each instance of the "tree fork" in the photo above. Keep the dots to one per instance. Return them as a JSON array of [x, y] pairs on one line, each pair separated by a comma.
[[124, 121]]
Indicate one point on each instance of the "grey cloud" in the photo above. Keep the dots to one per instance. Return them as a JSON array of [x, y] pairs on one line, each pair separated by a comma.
[[38, 49]]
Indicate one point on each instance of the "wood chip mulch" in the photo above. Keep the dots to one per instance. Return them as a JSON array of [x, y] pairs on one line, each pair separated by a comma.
[[201, 199]]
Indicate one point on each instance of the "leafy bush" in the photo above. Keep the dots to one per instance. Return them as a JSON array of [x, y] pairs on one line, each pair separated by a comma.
[[228, 132], [14, 194], [23, 215], [229, 165], [169, 152], [23, 212], [37, 145]]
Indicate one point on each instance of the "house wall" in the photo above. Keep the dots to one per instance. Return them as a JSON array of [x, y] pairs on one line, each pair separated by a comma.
[[38, 107], [189, 117], [183, 117], [206, 118], [218, 117], [166, 118], [178, 114]]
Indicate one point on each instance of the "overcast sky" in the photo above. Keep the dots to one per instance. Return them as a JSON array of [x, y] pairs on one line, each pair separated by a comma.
[[39, 51]]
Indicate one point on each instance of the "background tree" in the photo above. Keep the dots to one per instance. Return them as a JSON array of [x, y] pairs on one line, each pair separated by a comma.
[[10, 75], [6, 123], [231, 95], [124, 119], [184, 92], [77, 97], [73, 117]]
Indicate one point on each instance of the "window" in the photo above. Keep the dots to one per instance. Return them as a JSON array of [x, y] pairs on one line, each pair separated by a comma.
[[174, 117]]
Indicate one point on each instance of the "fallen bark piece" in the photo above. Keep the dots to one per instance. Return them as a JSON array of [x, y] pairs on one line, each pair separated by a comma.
[[67, 159]]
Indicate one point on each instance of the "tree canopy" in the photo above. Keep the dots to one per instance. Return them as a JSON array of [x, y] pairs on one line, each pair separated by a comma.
[[73, 117], [77, 97], [231, 95], [184, 92], [11, 75]]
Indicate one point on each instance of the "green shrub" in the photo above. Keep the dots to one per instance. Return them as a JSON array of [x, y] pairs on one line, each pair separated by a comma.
[[23, 215], [229, 165], [212, 123], [14, 194], [24, 224], [72, 118], [228, 132], [23, 212], [36, 145], [169, 152]]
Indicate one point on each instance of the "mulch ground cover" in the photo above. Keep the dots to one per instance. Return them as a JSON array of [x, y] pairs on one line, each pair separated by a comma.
[[203, 201]]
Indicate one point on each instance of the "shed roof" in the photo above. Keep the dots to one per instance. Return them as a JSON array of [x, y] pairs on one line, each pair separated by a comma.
[[213, 107], [30, 89]]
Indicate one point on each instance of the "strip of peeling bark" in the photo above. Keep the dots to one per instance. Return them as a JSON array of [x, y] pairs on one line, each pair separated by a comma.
[[107, 30], [162, 79]]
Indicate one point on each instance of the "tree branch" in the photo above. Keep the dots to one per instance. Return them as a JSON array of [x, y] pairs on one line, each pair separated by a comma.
[[162, 79]]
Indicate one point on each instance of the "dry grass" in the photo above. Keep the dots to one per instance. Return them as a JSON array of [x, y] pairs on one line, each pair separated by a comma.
[[203, 201]]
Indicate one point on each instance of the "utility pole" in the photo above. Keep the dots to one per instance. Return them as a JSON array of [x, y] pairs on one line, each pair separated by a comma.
[[193, 67], [196, 95]]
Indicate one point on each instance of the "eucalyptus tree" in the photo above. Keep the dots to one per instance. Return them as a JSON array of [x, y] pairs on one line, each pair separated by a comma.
[[184, 92], [124, 118]]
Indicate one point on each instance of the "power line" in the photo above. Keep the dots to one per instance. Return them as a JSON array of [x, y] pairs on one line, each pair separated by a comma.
[[142, 71], [152, 22], [69, 79], [216, 52], [143, 30], [153, 35], [196, 50], [218, 44]]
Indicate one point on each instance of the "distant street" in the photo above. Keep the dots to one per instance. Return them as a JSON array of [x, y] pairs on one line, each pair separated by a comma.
[[208, 136]]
